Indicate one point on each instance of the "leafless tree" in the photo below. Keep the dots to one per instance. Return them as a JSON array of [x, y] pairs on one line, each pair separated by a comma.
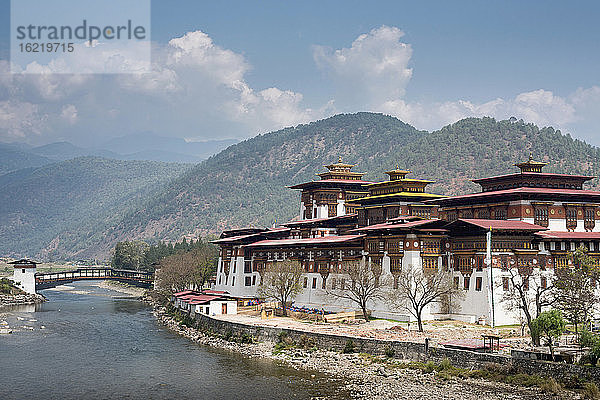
[[575, 292], [529, 292], [365, 285], [281, 281], [418, 288], [186, 270]]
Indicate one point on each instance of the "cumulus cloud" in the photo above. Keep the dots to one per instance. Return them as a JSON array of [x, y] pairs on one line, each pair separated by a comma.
[[199, 90], [372, 69], [196, 89], [539, 106], [373, 73]]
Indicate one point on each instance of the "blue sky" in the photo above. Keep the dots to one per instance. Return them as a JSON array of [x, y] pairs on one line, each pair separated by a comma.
[[254, 66]]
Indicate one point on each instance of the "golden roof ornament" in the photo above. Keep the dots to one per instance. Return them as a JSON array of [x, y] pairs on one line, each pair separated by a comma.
[[530, 165]]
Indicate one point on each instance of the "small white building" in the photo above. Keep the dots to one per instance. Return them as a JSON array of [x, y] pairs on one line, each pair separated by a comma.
[[24, 274], [217, 306], [207, 302]]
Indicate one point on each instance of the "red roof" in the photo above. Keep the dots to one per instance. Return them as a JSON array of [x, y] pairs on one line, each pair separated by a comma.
[[215, 292], [569, 235], [499, 224], [201, 299], [388, 225], [300, 185], [250, 235], [307, 241], [313, 220], [533, 174], [179, 294], [524, 190]]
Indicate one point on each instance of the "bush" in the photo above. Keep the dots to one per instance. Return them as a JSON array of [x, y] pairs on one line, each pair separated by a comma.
[[446, 365], [228, 335], [590, 391], [430, 367], [246, 338], [389, 352], [551, 386], [306, 342], [349, 347]]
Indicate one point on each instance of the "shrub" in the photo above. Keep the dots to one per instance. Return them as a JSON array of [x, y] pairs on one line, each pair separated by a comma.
[[282, 337], [306, 342], [429, 367], [246, 338], [551, 386], [590, 391], [349, 347], [390, 352], [228, 335], [446, 365]]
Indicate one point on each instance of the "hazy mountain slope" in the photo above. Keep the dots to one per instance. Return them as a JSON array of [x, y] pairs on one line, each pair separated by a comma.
[[60, 209], [245, 184], [148, 146], [60, 151], [13, 158]]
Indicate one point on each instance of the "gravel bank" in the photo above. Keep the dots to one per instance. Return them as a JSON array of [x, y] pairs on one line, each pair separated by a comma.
[[20, 299], [368, 379], [121, 288]]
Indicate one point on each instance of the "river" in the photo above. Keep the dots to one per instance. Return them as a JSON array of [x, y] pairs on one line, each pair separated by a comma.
[[93, 343]]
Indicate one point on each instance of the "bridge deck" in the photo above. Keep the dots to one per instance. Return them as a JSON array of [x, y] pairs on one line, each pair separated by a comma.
[[52, 279]]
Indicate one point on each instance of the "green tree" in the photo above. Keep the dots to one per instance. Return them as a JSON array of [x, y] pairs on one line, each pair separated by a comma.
[[549, 325], [129, 255], [592, 341]]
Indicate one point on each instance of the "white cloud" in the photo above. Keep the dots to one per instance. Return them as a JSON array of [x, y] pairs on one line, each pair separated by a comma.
[[196, 89], [373, 70], [373, 73], [199, 90], [20, 119], [69, 113]]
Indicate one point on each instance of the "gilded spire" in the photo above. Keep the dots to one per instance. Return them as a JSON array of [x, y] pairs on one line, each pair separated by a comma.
[[530, 165]]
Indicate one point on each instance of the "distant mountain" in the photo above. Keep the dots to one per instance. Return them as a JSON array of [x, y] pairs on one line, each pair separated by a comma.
[[62, 209], [60, 151], [246, 183], [14, 157], [148, 146], [143, 146]]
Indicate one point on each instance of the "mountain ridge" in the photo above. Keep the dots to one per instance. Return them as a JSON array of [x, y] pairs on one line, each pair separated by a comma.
[[246, 184]]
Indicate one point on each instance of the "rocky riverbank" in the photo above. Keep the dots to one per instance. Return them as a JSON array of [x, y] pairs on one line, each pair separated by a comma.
[[20, 299], [370, 377]]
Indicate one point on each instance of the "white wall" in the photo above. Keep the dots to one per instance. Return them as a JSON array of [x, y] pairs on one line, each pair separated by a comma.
[[25, 279]]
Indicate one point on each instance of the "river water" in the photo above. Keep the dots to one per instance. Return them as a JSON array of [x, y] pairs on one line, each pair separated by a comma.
[[93, 343]]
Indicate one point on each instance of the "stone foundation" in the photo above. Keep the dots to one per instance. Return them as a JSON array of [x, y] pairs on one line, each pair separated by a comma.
[[402, 350]]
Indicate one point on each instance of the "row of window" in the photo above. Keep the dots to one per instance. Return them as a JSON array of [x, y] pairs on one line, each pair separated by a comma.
[[467, 283]]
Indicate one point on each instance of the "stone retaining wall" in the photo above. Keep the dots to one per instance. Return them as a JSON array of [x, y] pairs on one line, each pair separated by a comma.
[[402, 350]]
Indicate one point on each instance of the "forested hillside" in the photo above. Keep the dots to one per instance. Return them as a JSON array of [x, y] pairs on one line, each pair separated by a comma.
[[82, 208], [61, 209], [246, 183]]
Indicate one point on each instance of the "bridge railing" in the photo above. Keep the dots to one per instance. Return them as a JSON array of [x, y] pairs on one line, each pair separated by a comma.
[[55, 278]]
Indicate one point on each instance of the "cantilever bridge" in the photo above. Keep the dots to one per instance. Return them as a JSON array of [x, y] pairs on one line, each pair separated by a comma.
[[53, 279]]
